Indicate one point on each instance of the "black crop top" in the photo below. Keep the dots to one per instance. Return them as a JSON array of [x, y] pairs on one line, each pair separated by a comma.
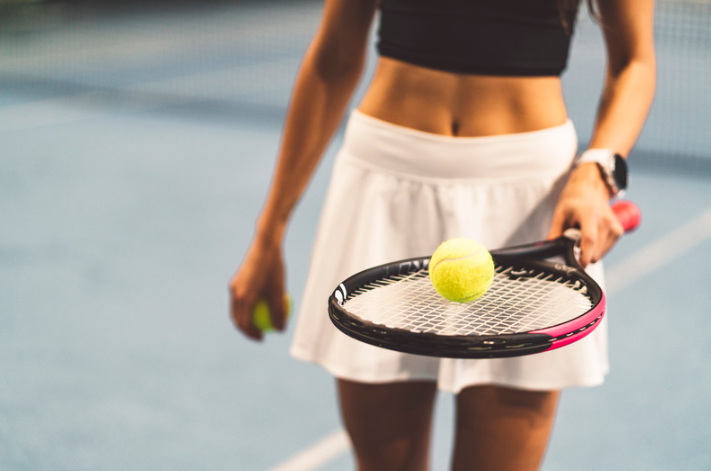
[[490, 37]]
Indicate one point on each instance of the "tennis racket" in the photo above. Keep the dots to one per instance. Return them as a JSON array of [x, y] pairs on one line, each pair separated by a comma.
[[541, 299]]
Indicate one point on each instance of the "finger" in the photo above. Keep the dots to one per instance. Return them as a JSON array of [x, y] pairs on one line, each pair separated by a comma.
[[241, 313], [277, 313], [278, 307], [611, 230], [277, 299], [588, 243], [557, 225]]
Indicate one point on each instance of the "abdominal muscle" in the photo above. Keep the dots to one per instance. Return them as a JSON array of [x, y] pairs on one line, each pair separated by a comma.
[[460, 105]]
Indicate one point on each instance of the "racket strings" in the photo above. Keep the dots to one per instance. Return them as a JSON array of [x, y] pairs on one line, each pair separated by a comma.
[[516, 302]]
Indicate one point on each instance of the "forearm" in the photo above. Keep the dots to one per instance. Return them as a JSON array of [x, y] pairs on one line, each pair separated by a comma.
[[624, 105], [319, 100], [628, 28]]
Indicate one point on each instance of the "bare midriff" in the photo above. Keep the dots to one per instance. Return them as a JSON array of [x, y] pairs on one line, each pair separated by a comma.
[[461, 105]]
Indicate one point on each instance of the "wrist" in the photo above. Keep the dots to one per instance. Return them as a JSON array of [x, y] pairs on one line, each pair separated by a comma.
[[270, 231], [612, 168], [587, 179], [588, 176]]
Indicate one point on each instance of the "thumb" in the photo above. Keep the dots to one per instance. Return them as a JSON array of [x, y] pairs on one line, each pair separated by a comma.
[[558, 225]]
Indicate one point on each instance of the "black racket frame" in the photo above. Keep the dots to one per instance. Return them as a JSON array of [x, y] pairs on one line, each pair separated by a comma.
[[529, 257]]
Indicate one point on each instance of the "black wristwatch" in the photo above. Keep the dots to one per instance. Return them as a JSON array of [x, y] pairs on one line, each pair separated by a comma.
[[613, 168]]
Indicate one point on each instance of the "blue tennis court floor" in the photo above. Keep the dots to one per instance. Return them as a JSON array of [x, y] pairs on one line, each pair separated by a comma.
[[134, 158]]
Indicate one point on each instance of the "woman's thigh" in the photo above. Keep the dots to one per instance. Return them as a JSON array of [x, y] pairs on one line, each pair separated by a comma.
[[389, 424], [502, 429]]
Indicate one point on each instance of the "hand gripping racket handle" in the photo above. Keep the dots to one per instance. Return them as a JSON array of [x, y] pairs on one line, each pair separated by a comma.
[[626, 211]]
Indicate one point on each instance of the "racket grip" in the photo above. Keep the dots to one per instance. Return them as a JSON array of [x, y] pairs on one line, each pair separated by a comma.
[[628, 214]]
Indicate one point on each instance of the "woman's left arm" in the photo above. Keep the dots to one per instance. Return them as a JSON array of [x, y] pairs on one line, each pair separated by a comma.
[[628, 28]]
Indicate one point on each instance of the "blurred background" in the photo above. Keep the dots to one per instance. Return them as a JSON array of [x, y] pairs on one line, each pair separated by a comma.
[[137, 141]]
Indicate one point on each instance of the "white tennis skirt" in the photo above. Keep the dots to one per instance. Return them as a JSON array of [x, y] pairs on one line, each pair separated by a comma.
[[397, 193]]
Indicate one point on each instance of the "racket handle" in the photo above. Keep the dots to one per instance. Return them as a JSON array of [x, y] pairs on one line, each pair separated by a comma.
[[628, 214]]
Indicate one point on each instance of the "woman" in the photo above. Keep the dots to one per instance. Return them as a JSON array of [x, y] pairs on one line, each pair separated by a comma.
[[463, 132]]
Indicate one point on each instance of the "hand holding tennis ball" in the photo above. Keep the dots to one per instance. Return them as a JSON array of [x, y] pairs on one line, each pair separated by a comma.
[[461, 270], [261, 317]]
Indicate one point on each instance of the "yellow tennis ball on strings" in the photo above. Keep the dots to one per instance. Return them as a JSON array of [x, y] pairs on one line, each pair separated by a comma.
[[261, 317], [461, 270]]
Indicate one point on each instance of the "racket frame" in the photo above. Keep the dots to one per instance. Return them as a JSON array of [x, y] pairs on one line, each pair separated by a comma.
[[533, 256]]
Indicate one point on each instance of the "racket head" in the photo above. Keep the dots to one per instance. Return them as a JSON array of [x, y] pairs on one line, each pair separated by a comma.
[[524, 265], [396, 307]]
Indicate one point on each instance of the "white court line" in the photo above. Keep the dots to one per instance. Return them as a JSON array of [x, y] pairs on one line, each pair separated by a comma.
[[658, 253], [318, 454], [648, 259]]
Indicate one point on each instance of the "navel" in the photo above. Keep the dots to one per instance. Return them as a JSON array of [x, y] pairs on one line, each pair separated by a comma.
[[455, 128]]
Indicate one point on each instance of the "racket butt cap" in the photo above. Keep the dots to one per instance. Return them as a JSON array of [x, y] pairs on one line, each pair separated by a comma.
[[628, 214]]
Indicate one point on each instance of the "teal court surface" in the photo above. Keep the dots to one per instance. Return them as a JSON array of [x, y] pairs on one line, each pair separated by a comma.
[[136, 146]]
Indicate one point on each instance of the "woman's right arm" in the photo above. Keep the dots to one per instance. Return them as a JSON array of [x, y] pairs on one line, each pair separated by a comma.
[[327, 78]]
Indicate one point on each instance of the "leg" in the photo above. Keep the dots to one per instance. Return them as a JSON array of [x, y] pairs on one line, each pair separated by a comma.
[[389, 424], [502, 429]]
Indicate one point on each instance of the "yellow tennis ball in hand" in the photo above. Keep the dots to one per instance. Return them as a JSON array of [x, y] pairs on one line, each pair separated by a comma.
[[461, 270], [260, 315]]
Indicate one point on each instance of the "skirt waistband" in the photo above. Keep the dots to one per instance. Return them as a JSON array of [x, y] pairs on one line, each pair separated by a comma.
[[402, 150]]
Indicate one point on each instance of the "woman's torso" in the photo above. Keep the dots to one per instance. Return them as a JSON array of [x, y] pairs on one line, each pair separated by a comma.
[[463, 105], [470, 67]]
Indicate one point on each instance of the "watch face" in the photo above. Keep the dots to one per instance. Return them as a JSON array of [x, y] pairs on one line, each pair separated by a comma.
[[620, 172]]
